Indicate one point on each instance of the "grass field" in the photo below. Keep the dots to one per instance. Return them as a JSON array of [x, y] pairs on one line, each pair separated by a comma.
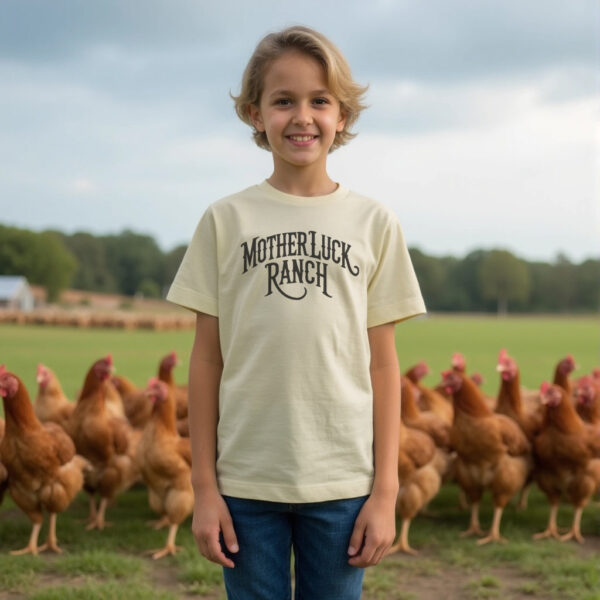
[[537, 343], [111, 564]]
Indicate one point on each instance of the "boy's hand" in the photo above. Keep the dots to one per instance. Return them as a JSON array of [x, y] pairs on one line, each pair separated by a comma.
[[374, 531], [211, 517]]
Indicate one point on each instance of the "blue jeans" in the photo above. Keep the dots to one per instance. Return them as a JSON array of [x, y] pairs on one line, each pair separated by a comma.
[[319, 534]]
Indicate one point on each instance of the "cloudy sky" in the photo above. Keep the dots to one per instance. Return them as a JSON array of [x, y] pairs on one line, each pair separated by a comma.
[[482, 129]]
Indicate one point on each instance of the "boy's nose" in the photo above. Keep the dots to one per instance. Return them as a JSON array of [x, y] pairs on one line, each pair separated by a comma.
[[302, 116]]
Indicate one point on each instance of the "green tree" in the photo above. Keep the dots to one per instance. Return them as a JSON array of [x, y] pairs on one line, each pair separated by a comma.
[[172, 261], [465, 276], [431, 275], [148, 288], [132, 258], [504, 277], [41, 257], [541, 298], [564, 278], [587, 285], [93, 272]]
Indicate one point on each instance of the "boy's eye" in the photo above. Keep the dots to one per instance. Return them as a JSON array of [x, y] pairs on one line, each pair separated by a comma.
[[283, 101], [321, 101]]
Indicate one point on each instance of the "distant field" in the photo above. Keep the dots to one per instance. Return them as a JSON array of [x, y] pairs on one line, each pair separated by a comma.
[[536, 342]]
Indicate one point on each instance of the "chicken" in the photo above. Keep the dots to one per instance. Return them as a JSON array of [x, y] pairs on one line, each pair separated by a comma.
[[419, 479], [562, 371], [417, 372], [531, 398], [44, 473], [587, 396], [105, 440], [429, 399], [51, 403], [165, 462], [567, 460], [587, 405], [165, 373], [492, 452], [510, 403], [3, 471], [136, 405], [459, 365], [426, 421], [114, 402]]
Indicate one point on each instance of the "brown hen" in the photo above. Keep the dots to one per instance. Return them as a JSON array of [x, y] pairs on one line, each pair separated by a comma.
[[165, 462], [44, 473]]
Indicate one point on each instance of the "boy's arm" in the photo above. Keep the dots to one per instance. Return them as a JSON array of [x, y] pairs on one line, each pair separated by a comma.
[[211, 516], [375, 525]]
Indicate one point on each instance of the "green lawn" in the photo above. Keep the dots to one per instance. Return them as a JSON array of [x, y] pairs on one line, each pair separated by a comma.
[[537, 343]]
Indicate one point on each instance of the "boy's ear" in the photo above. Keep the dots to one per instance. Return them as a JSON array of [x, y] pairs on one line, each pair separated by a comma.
[[255, 117], [341, 121]]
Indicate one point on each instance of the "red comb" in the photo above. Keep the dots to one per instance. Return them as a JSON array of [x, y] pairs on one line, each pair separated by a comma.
[[477, 378], [544, 388], [458, 360], [2, 369], [445, 374], [152, 381], [585, 380], [502, 355]]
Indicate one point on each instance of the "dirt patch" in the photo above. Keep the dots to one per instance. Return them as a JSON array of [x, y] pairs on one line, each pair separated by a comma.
[[419, 578]]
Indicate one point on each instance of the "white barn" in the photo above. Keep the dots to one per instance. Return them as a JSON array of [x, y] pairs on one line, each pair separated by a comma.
[[15, 293]]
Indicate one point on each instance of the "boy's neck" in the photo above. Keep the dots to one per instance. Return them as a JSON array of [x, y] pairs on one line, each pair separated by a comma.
[[303, 183]]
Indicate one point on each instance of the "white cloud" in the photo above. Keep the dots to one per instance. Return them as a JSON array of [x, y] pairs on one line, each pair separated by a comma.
[[81, 186], [526, 182]]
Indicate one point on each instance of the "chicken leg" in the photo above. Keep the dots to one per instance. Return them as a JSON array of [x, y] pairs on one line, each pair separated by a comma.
[[170, 547], [99, 523], [575, 531], [160, 523], [552, 529], [494, 534], [32, 546], [402, 544], [52, 542], [474, 527], [522, 505]]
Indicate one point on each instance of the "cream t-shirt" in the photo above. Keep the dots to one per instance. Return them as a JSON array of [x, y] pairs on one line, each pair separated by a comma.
[[295, 282]]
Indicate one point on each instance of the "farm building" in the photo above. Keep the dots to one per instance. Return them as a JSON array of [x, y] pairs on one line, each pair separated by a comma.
[[15, 293]]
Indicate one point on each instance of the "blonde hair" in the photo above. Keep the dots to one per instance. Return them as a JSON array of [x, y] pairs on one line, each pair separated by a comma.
[[312, 43]]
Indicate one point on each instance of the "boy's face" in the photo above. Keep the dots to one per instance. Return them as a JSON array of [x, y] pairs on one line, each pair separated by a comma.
[[297, 112]]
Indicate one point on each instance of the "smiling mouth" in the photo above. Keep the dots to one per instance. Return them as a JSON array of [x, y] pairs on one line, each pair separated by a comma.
[[302, 138]]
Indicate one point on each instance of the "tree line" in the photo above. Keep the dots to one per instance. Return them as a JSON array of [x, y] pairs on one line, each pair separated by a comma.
[[130, 263]]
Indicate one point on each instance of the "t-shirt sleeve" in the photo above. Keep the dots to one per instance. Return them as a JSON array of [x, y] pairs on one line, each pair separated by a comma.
[[195, 286], [393, 293]]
